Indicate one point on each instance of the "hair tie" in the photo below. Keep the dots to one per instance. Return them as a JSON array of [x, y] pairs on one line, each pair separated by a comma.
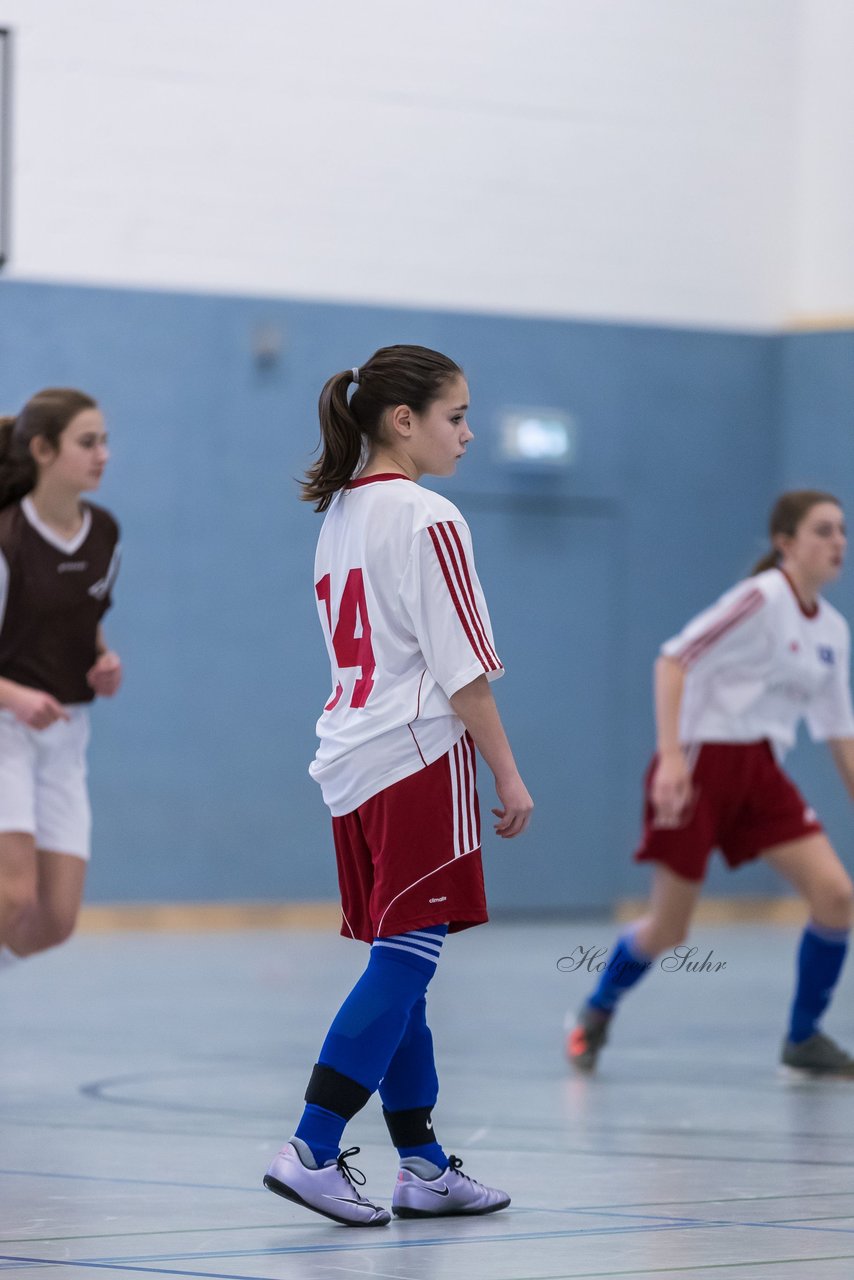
[[355, 373]]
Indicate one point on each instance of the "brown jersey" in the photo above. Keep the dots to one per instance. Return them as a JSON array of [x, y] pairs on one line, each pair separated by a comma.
[[53, 593]]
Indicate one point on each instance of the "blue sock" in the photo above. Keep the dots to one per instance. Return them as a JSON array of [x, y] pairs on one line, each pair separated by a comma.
[[820, 960], [411, 1085], [365, 1033], [321, 1130], [627, 965]]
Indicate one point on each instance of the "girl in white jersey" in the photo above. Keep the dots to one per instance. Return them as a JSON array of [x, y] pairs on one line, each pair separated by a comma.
[[412, 654], [730, 690], [58, 561]]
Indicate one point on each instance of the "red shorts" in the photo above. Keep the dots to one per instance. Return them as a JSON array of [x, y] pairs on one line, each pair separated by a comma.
[[410, 855], [741, 803]]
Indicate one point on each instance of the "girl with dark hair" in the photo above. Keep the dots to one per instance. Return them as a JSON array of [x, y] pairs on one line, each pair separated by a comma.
[[412, 654], [58, 560], [730, 690]]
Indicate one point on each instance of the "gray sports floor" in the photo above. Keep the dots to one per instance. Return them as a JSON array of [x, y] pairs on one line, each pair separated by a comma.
[[147, 1079]]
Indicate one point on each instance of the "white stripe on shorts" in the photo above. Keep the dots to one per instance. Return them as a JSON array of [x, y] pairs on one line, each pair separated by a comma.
[[464, 817]]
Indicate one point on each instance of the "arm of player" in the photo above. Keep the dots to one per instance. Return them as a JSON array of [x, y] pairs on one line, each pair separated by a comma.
[[671, 782], [35, 709], [475, 706], [105, 677], [730, 630], [842, 750]]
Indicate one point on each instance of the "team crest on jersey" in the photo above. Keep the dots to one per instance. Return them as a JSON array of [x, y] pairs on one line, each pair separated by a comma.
[[825, 654]]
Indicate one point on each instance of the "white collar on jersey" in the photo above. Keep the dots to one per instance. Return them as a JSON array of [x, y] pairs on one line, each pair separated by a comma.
[[68, 546]]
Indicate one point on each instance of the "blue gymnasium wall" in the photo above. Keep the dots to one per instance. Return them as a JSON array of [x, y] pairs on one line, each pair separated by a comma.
[[817, 451], [199, 769]]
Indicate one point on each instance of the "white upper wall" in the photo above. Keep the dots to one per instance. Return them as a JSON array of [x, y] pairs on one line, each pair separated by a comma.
[[824, 188], [613, 159]]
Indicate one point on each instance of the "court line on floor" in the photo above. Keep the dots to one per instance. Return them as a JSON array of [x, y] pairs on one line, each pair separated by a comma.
[[607, 1154], [605, 1210], [616, 1211], [168, 1127], [96, 1092], [257, 1190], [37, 1263], [96, 1089], [695, 1157], [388, 1240], [27, 1122], [134, 1182], [690, 1271], [5, 1241], [142, 1262], [664, 1204]]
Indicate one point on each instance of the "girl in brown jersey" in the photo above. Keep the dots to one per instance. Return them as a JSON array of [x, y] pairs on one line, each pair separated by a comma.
[[58, 561]]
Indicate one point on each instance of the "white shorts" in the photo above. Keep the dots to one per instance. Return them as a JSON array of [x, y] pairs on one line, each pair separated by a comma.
[[43, 782]]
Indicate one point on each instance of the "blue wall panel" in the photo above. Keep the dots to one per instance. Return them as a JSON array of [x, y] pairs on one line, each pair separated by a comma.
[[199, 769], [817, 438]]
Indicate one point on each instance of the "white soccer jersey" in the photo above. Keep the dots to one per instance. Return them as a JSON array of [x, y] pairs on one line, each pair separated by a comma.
[[406, 626], [757, 662]]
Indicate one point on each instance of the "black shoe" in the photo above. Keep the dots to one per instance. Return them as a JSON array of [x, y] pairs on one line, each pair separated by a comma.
[[586, 1039], [817, 1056]]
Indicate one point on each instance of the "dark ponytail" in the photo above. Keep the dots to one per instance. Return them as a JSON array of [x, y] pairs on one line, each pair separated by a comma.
[[17, 465], [769, 561], [341, 440], [414, 376], [46, 414], [786, 515]]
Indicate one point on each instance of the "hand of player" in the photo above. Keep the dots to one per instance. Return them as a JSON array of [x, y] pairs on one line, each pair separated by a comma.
[[670, 790], [516, 810], [35, 709], [106, 675]]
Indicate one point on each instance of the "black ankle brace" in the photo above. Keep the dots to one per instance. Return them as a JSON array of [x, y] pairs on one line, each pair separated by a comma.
[[339, 1094], [410, 1128]]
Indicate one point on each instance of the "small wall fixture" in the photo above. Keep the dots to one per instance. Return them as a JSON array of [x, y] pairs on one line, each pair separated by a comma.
[[540, 438]]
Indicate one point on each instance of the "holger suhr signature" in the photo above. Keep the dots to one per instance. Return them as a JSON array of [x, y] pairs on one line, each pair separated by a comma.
[[679, 960]]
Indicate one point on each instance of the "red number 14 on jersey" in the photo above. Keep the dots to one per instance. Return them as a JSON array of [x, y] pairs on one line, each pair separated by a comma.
[[351, 639]]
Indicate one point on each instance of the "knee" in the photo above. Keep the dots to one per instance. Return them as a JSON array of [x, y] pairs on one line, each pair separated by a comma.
[[57, 927], [832, 903], [17, 897], [42, 929]]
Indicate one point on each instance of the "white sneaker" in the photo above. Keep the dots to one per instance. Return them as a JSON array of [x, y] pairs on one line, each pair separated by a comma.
[[329, 1190], [423, 1190]]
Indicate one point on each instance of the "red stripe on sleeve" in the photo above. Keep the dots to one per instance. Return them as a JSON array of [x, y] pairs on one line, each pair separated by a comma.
[[740, 612], [461, 564], [446, 571]]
